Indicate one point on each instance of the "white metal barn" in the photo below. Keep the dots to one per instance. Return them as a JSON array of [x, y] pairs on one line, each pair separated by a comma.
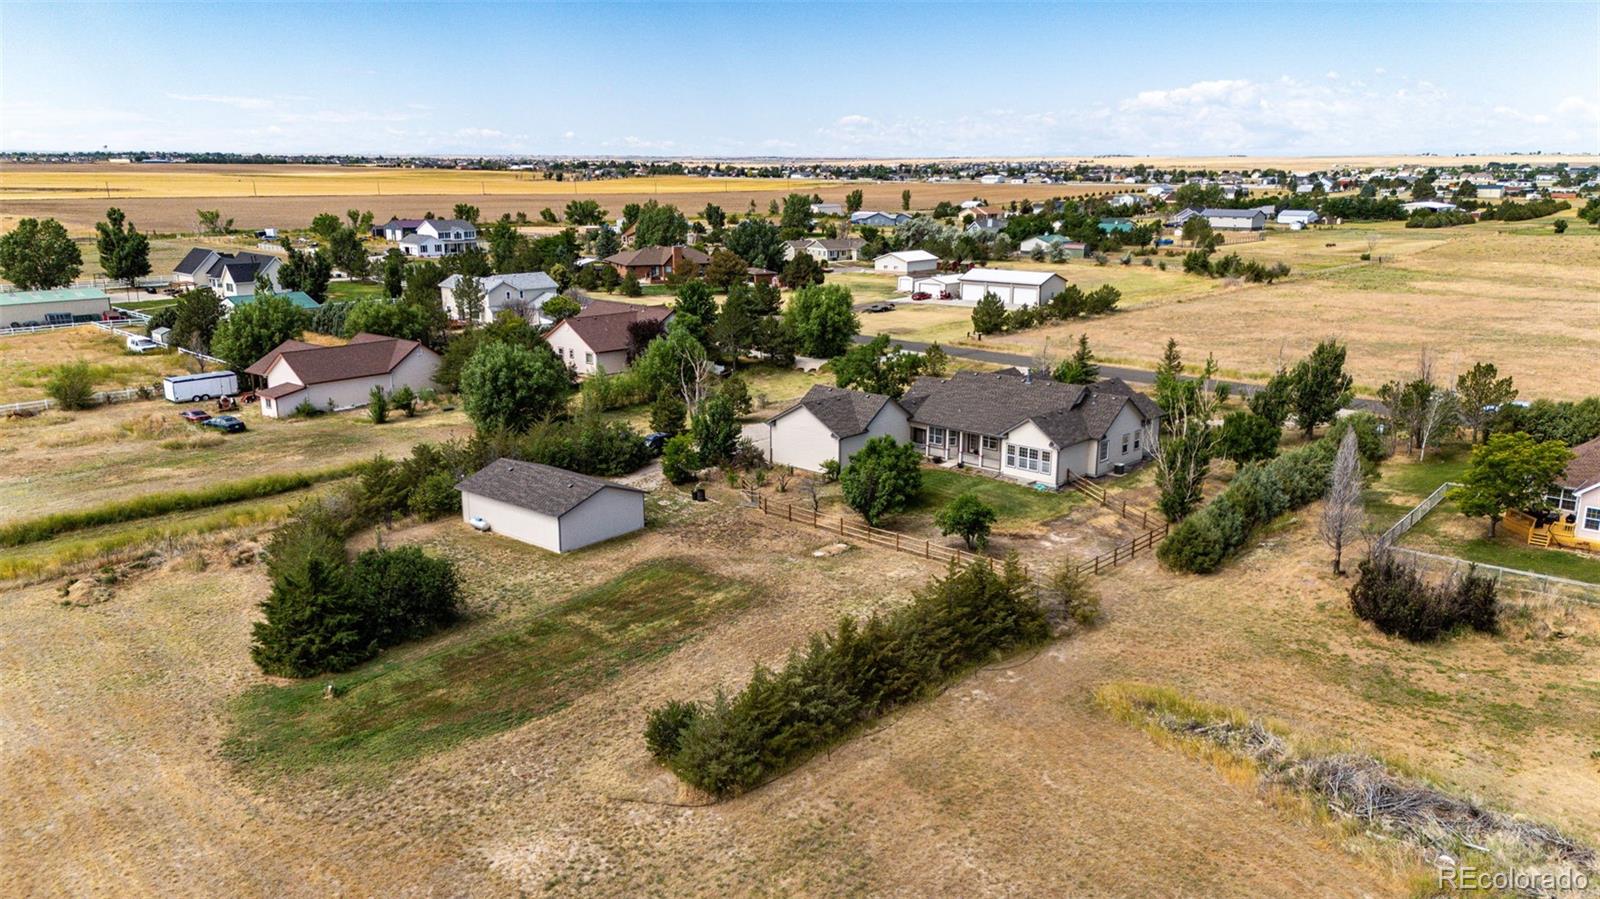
[[832, 423], [907, 262], [549, 507], [1013, 287]]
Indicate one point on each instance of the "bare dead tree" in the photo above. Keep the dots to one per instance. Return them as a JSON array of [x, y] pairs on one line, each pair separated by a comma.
[[781, 475], [812, 491], [1343, 515], [1043, 362]]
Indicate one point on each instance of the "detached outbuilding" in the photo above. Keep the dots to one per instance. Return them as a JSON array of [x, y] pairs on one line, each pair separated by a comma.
[[549, 507], [832, 423]]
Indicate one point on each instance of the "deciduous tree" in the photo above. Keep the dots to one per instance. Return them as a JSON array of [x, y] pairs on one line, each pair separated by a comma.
[[124, 252], [38, 255], [882, 478], [1510, 471]]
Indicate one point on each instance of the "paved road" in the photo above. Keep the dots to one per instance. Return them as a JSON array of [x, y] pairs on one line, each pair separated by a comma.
[[1131, 375]]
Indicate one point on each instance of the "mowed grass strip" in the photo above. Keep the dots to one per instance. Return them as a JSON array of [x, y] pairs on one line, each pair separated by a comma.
[[409, 705], [157, 504]]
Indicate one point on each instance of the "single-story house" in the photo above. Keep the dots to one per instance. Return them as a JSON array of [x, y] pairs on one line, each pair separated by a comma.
[[60, 306], [1182, 216], [1235, 219], [340, 377], [1428, 206], [1491, 191], [229, 274], [549, 507], [1049, 243], [879, 219], [907, 262], [1575, 496], [832, 423], [825, 249], [300, 298], [1297, 218], [652, 264], [600, 336], [755, 274], [1031, 430], [522, 292], [1014, 287]]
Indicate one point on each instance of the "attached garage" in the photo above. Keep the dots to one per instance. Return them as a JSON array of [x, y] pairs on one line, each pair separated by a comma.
[[832, 423], [549, 507]]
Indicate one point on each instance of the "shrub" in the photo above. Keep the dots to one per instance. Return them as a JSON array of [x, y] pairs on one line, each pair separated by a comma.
[[1399, 601], [326, 614], [71, 385], [591, 446], [1074, 597], [968, 516], [405, 399], [882, 478], [852, 675], [1258, 494], [378, 406], [680, 460], [306, 409], [435, 496], [665, 729], [830, 470]]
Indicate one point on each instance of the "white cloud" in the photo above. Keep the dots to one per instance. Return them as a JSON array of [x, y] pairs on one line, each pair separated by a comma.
[[236, 102]]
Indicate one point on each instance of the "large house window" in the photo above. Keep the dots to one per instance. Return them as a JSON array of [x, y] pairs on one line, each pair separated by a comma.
[[1027, 458], [1562, 498], [936, 436], [991, 443], [1105, 448], [919, 435], [1591, 518]]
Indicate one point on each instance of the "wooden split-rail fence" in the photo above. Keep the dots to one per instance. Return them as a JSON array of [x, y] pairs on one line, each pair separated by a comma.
[[918, 546]]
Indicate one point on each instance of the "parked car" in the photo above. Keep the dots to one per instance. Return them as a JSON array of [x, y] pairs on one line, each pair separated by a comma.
[[142, 345], [195, 416], [922, 295], [229, 423], [655, 443], [879, 307]]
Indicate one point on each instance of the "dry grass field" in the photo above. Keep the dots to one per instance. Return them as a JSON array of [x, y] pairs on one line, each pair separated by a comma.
[[117, 776], [164, 198], [27, 361], [1518, 295]]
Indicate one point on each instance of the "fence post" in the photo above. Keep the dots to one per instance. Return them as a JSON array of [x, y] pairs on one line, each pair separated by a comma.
[[1096, 564], [790, 510], [1124, 508], [841, 525], [927, 549]]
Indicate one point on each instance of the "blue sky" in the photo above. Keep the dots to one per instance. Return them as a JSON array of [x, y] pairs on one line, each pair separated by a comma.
[[801, 79]]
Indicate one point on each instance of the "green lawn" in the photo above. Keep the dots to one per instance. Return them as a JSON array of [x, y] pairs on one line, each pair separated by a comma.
[[350, 291], [1013, 503], [409, 704], [1403, 482]]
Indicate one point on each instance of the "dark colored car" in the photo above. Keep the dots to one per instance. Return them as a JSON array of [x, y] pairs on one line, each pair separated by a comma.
[[879, 307], [195, 416], [922, 295], [655, 443], [231, 424]]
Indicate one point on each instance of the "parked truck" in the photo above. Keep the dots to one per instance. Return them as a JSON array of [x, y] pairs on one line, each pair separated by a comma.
[[204, 386]]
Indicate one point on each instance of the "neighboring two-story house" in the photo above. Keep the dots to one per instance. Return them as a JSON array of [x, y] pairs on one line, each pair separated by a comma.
[[440, 237], [229, 274], [522, 292], [602, 335]]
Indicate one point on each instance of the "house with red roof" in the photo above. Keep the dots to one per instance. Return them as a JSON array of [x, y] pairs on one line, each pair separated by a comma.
[[603, 335], [335, 378]]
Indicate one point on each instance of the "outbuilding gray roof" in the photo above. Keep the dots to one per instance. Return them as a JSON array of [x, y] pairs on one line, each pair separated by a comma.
[[845, 413], [1231, 213], [540, 488], [994, 404]]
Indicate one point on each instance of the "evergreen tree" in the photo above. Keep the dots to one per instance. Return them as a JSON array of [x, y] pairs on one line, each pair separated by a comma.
[[1081, 367]]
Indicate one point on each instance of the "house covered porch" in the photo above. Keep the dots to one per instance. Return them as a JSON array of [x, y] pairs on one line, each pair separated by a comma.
[[950, 445]]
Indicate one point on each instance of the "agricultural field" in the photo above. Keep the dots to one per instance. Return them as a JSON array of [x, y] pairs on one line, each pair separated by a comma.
[[164, 198], [27, 361], [203, 775]]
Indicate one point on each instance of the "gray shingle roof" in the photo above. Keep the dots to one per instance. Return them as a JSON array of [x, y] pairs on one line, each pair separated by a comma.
[[994, 404], [192, 260], [844, 412], [530, 485], [1584, 469]]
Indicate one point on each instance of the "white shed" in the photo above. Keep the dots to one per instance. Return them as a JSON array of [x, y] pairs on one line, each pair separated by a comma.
[[549, 507], [832, 423], [1014, 287], [907, 262]]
